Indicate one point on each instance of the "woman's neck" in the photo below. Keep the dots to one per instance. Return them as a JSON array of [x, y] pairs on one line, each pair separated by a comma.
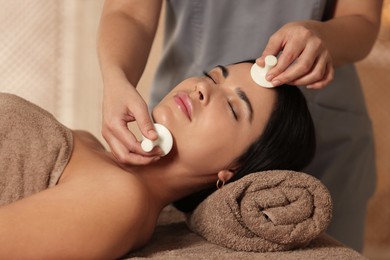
[[167, 180]]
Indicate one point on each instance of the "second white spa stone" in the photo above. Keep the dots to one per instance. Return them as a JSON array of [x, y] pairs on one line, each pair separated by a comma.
[[258, 73], [164, 140]]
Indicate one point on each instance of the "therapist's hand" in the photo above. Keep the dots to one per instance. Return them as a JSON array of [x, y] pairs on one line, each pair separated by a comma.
[[304, 58], [123, 104]]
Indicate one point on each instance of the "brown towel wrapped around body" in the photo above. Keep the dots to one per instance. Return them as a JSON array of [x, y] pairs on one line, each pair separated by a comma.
[[265, 211], [34, 148]]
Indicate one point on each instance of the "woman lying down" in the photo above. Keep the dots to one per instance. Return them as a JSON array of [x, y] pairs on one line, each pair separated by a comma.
[[91, 206]]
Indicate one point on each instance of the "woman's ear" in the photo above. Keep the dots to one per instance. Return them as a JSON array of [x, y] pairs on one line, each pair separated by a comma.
[[225, 175]]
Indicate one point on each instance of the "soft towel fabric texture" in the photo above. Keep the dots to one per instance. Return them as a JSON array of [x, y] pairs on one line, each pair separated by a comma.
[[265, 211], [34, 148], [172, 240]]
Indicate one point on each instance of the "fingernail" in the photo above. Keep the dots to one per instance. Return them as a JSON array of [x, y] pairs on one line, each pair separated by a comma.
[[269, 77], [152, 132], [276, 83]]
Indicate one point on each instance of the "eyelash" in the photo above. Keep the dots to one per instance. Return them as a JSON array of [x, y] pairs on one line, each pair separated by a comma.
[[208, 76], [233, 112], [230, 105]]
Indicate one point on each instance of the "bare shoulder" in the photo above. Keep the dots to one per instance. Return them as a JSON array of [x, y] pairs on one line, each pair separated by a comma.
[[88, 138], [124, 205], [97, 211], [101, 217]]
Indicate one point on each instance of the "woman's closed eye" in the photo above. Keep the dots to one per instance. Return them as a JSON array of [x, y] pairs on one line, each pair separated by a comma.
[[208, 76], [232, 109], [230, 105]]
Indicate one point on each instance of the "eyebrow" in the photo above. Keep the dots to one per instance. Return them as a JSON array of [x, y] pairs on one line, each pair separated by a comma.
[[225, 71], [243, 96]]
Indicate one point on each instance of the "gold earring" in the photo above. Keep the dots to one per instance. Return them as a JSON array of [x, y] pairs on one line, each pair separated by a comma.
[[220, 184]]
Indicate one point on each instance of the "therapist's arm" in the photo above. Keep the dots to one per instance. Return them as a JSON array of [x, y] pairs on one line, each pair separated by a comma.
[[353, 31], [311, 49], [126, 33]]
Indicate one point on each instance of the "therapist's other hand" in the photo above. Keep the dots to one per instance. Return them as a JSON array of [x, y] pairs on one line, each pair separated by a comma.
[[303, 60], [123, 104]]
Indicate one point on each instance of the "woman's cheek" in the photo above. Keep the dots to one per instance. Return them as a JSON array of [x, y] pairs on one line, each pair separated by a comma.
[[207, 151]]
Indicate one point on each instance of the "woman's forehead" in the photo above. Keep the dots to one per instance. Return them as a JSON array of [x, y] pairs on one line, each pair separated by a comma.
[[240, 74], [261, 99]]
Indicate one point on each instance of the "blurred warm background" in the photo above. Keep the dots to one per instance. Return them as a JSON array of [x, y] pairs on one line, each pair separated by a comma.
[[374, 73], [48, 55]]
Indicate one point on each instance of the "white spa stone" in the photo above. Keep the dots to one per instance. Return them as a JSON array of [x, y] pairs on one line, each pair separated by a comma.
[[258, 73], [164, 140]]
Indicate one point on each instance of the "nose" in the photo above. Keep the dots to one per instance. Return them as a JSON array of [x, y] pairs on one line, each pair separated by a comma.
[[203, 92]]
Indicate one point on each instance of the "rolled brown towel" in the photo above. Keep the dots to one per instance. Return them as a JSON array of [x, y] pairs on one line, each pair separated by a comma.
[[265, 211]]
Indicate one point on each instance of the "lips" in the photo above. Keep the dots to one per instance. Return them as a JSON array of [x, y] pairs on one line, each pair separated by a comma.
[[184, 103]]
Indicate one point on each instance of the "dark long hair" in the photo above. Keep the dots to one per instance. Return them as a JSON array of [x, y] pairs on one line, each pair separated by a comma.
[[287, 143]]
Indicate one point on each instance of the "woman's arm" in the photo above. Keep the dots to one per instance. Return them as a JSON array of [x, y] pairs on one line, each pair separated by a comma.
[[85, 218]]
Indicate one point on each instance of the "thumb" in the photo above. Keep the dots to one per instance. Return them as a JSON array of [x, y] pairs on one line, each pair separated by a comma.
[[146, 126], [273, 47]]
